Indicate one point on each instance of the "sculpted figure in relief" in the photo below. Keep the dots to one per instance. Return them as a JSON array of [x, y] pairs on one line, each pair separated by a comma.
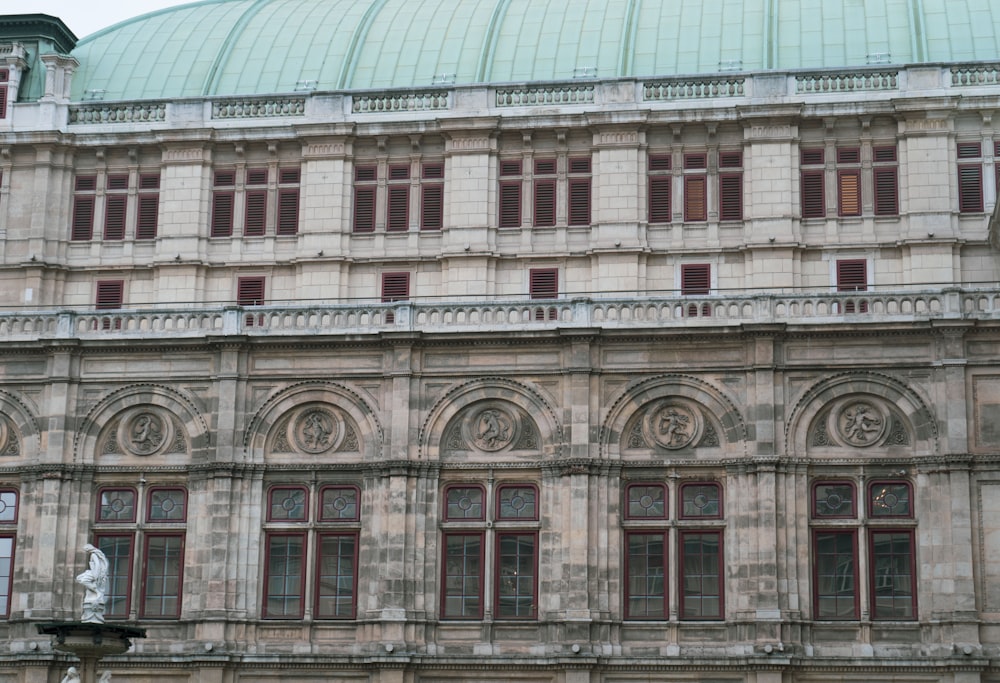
[[72, 676], [861, 424], [147, 433], [95, 580], [494, 430]]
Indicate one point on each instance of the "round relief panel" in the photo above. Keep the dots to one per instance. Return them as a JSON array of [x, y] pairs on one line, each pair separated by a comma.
[[316, 430], [860, 422], [672, 423], [491, 428], [144, 431]]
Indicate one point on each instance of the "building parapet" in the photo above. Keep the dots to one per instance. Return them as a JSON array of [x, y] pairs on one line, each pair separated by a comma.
[[692, 89], [502, 316], [118, 112], [259, 108], [561, 94], [400, 101]]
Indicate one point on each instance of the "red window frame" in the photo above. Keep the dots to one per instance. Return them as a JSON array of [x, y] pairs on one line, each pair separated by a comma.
[[148, 205], [289, 180], [9, 498], [330, 601], [255, 203], [119, 548], [970, 188], [848, 203], [100, 514], [874, 494], [395, 286], [886, 184], [901, 605], [272, 503], [827, 582], [398, 199], [696, 279], [149, 582], [449, 578], [110, 295], [813, 194], [660, 183], [290, 595], [4, 78], [511, 587], [579, 191], [851, 500], [499, 503], [695, 198], [365, 185], [432, 196], [84, 203], [151, 498], [647, 577], [634, 495], [543, 283], [321, 504], [447, 509], [730, 196], [544, 193], [683, 512], [115, 203], [702, 596], [223, 203], [250, 291]]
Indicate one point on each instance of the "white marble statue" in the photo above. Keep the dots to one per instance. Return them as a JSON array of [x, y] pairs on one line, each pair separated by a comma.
[[72, 676], [105, 677], [95, 580]]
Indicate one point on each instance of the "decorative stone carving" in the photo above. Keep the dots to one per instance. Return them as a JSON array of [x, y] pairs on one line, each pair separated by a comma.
[[95, 580], [672, 424], [144, 431], [861, 423], [492, 428], [316, 430], [710, 439], [10, 445], [350, 442]]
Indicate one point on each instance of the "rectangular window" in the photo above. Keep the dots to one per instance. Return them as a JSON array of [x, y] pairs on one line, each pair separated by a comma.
[[8, 523], [701, 575], [886, 194], [110, 294], [516, 575], [849, 192], [834, 572], [118, 549], [544, 193], [432, 197], [695, 198], [646, 573], [84, 198], [892, 576], [115, 199], [579, 191], [149, 206], [4, 85], [250, 292], [543, 283], [462, 593], [660, 182], [852, 276], [510, 193], [255, 203], [284, 580], [288, 200], [696, 279], [365, 178], [223, 200], [336, 575], [812, 186], [398, 219], [970, 188], [395, 287], [730, 186], [163, 560]]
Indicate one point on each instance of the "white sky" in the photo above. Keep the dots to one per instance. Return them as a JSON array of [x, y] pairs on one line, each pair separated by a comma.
[[83, 18]]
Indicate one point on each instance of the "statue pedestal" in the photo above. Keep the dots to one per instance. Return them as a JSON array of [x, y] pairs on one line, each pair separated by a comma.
[[90, 642]]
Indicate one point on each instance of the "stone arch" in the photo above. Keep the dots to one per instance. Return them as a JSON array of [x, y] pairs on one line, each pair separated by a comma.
[[489, 392], [895, 402], [183, 430], [339, 406], [19, 431], [696, 394]]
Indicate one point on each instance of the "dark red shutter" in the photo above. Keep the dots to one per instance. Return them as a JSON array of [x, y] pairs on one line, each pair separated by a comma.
[[545, 166], [288, 210], [399, 208], [83, 218], [659, 198], [250, 291], [257, 176], [696, 160], [85, 183], [222, 213], [579, 201], [886, 198], [696, 279], [543, 283], [365, 173], [432, 171], [970, 150], [114, 216], [852, 275], [395, 286], [579, 165], [731, 196], [510, 167], [970, 188], [849, 193], [110, 294], [848, 155], [545, 203], [149, 205], [813, 194], [659, 162], [118, 181], [432, 207], [730, 159], [3, 101], [225, 178], [695, 198], [510, 204], [884, 154], [811, 157], [289, 176], [399, 172], [149, 181], [256, 212], [364, 208]]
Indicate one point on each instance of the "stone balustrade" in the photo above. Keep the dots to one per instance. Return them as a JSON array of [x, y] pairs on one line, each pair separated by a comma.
[[849, 82], [118, 112], [259, 108], [499, 316]]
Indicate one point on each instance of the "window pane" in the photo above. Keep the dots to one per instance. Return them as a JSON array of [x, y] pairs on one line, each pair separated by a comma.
[[517, 502], [6, 573], [167, 505], [646, 500], [338, 503], [8, 506], [463, 576], [701, 587], [285, 569], [890, 499], [700, 500], [836, 586], [288, 504], [336, 576], [118, 550], [515, 576], [892, 575], [464, 502], [163, 562], [833, 500], [646, 596], [117, 505]]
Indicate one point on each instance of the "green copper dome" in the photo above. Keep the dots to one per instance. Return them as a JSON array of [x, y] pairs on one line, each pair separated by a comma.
[[247, 47]]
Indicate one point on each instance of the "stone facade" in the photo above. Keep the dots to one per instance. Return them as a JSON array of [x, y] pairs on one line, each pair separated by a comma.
[[748, 445]]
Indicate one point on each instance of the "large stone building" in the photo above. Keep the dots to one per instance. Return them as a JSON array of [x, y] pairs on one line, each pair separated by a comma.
[[510, 340]]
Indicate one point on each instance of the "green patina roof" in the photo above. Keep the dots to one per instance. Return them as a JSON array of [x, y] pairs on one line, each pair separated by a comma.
[[246, 47]]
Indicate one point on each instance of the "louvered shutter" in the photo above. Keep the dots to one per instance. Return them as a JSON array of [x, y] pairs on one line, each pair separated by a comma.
[[811, 157], [3, 101], [812, 189], [399, 208], [970, 150], [395, 286], [431, 207], [114, 216], [543, 283], [364, 209], [696, 279], [731, 196], [222, 214], [852, 276], [695, 198], [970, 188], [288, 210], [110, 294], [849, 192], [510, 204], [579, 201], [659, 198], [545, 203], [886, 196], [83, 218], [848, 155], [149, 206], [250, 291], [256, 213]]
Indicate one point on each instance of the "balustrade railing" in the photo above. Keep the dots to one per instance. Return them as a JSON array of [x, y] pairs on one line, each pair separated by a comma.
[[634, 312]]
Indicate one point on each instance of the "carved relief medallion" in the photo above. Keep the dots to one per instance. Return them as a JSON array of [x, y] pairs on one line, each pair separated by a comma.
[[672, 423], [144, 431], [861, 423], [492, 427], [316, 430], [9, 443]]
